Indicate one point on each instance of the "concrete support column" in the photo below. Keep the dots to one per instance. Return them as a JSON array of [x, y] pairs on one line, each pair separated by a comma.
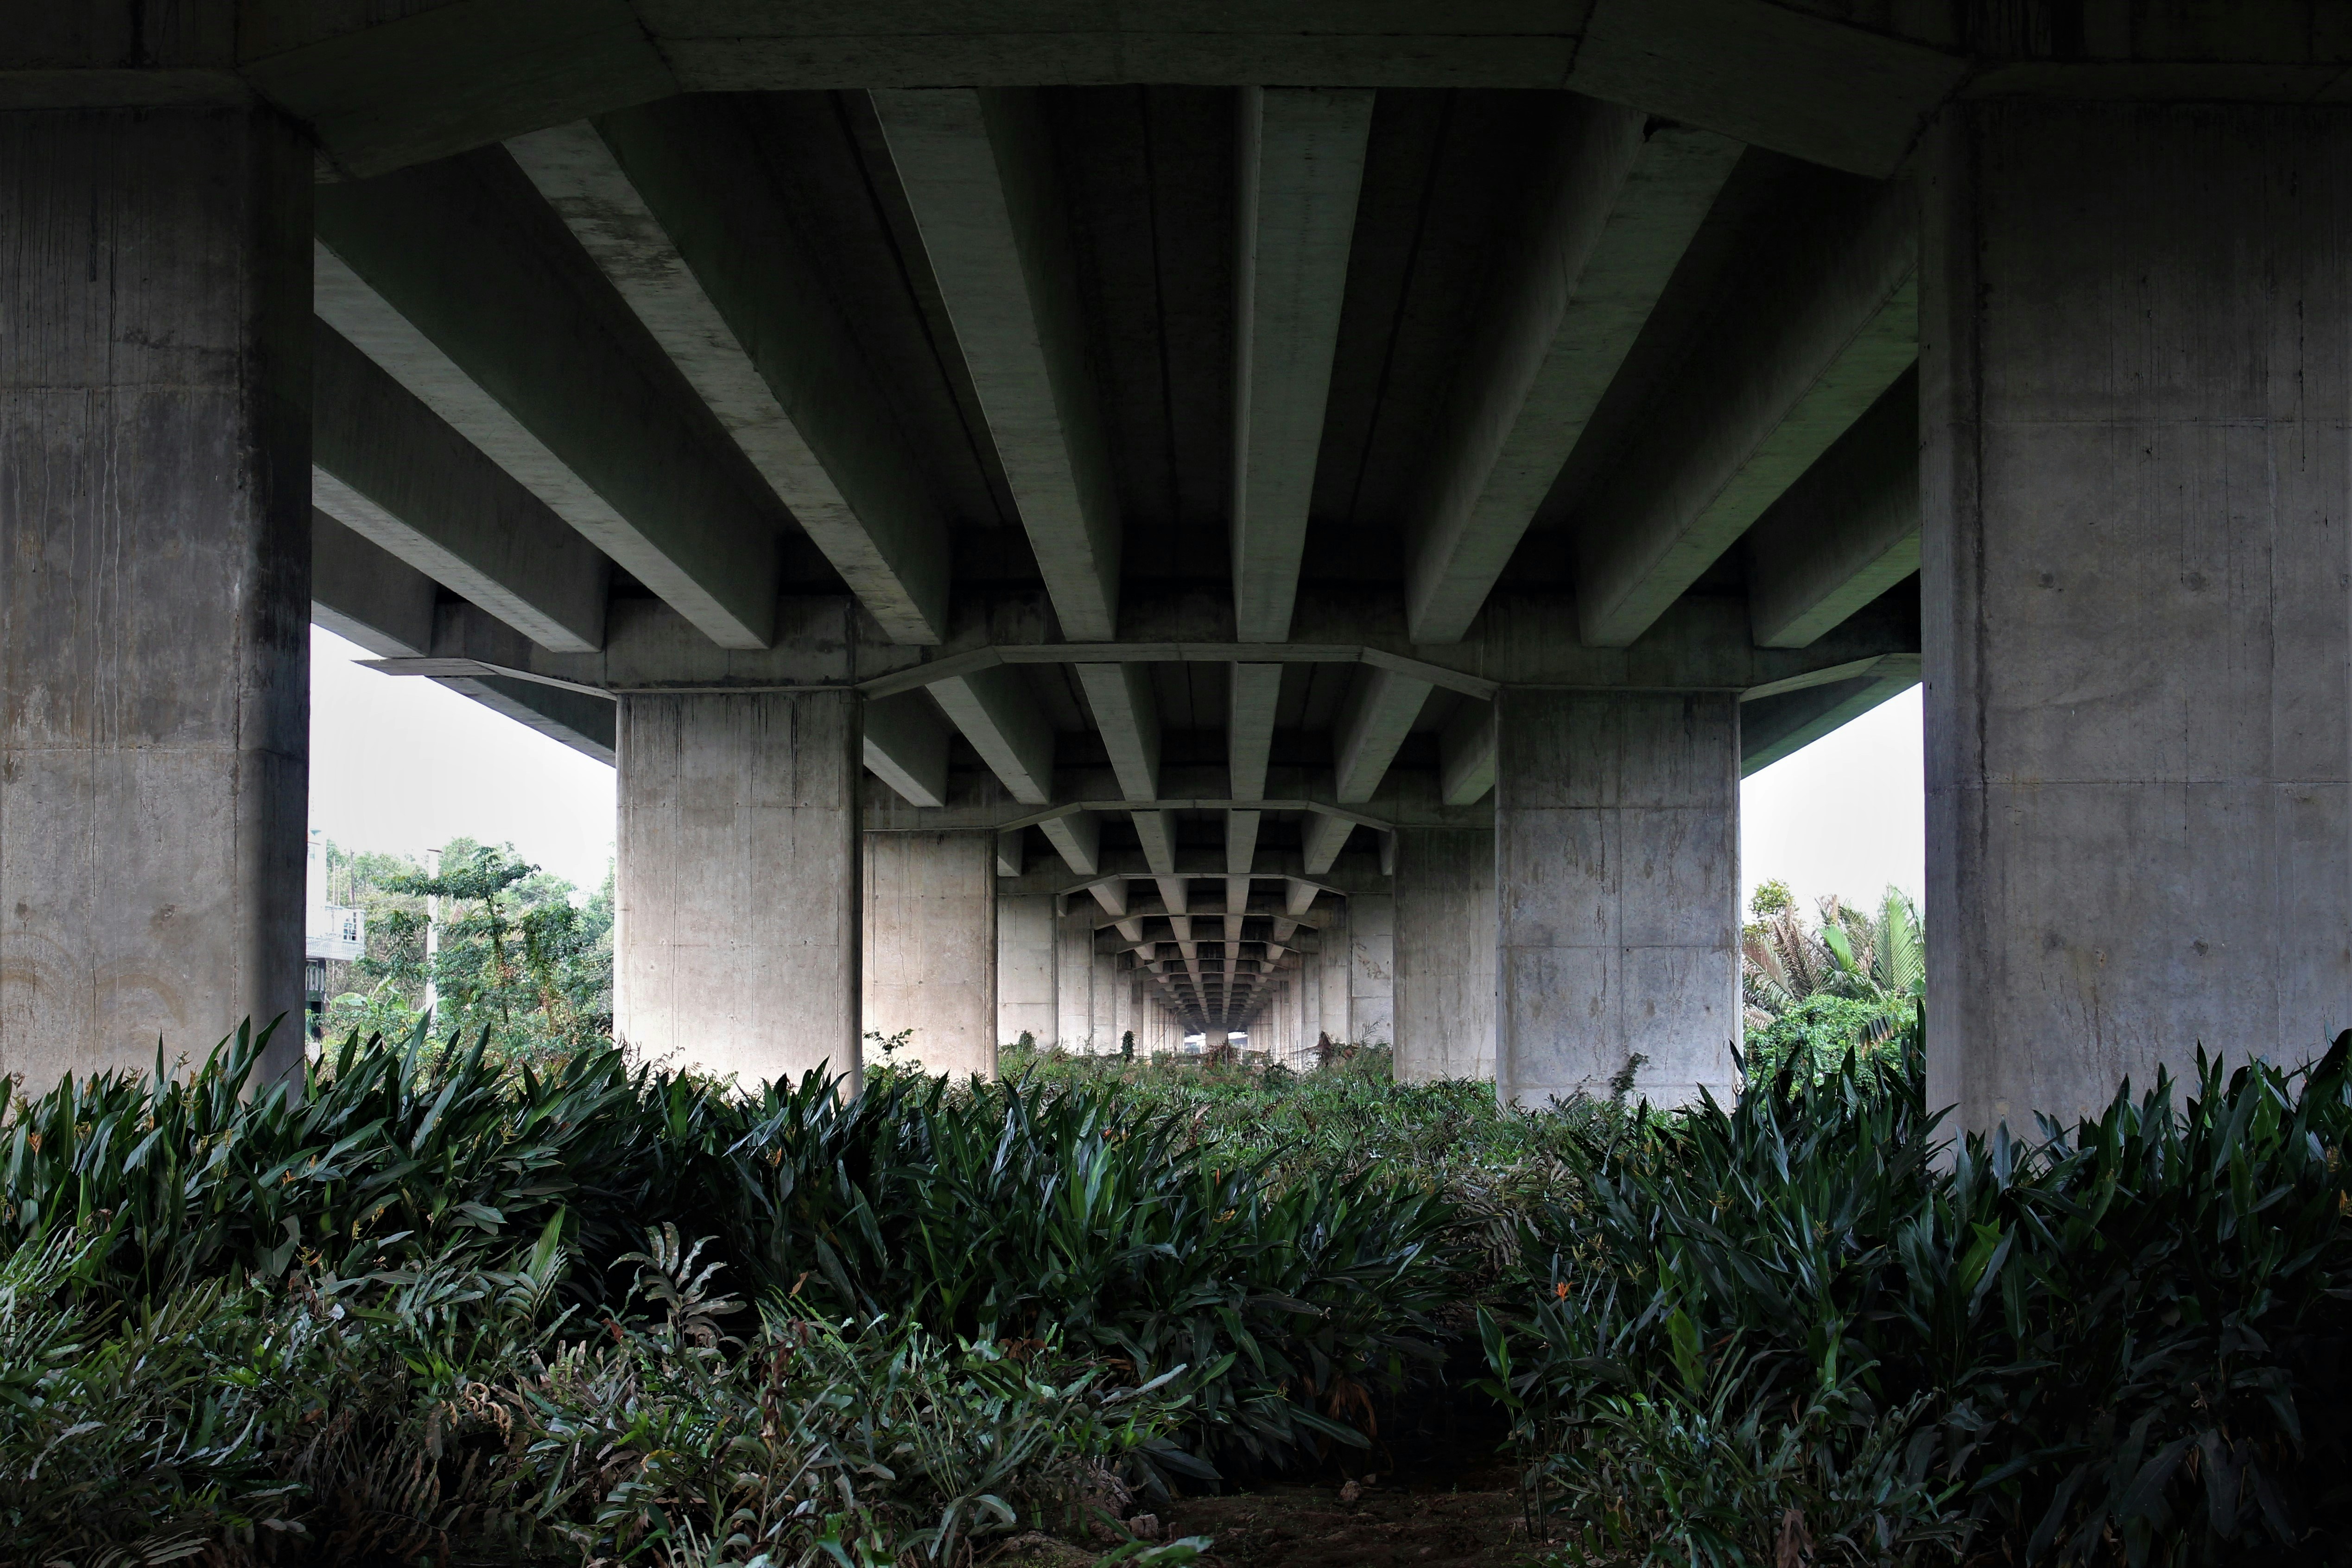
[[1617, 881], [736, 940], [1444, 954], [930, 947], [1371, 968], [154, 583], [1074, 975], [1025, 968], [2133, 395]]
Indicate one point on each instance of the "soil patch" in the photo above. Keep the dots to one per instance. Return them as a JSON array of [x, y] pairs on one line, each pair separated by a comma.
[[1470, 1519]]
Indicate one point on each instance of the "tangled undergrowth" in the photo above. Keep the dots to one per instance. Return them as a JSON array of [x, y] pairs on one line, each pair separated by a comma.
[[434, 1309]]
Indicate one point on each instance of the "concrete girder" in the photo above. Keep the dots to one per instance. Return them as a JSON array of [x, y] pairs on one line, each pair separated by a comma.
[[362, 592], [906, 748], [461, 283], [1381, 706], [1775, 726], [1077, 839], [1010, 853], [388, 467], [1128, 715], [1324, 838], [1241, 841], [675, 204], [1300, 154], [1156, 831], [1846, 531], [1796, 361], [1000, 718], [978, 170], [1614, 207], [1466, 755]]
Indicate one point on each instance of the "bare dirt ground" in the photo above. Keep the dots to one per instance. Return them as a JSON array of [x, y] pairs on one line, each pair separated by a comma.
[[1470, 1518]]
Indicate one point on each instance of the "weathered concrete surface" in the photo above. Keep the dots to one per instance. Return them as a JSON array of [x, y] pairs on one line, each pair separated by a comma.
[[930, 947], [364, 594], [1371, 968], [1445, 988], [1617, 884], [2134, 391], [154, 483], [1846, 532], [737, 935]]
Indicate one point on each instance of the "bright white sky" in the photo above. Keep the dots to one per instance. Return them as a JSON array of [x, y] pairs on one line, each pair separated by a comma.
[[399, 765]]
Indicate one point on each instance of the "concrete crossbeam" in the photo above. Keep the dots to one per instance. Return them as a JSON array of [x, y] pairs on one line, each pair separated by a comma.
[[1241, 841], [364, 594], [1078, 839], [674, 203], [1613, 207], [1823, 332], [1846, 532], [460, 281], [1300, 154], [391, 469], [1000, 716], [906, 747], [1466, 755], [978, 170], [1381, 706], [1127, 715], [1157, 832]]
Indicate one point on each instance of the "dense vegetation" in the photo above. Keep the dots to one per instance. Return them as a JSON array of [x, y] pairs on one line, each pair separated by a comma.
[[520, 952], [439, 1306]]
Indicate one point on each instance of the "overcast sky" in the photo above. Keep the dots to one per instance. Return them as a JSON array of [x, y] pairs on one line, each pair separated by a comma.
[[398, 763]]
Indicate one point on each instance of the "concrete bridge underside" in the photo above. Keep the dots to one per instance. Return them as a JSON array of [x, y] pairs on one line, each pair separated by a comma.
[[1087, 519]]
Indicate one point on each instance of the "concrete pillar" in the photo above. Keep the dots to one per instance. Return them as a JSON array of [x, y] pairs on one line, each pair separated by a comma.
[[2135, 550], [1444, 954], [1333, 971], [1074, 974], [1617, 883], [930, 947], [154, 583], [736, 942], [1371, 973], [1025, 968]]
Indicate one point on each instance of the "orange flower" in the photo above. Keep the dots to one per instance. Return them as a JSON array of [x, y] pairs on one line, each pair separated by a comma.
[[1559, 1291]]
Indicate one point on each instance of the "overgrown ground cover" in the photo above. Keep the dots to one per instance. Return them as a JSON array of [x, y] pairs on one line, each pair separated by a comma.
[[436, 1308]]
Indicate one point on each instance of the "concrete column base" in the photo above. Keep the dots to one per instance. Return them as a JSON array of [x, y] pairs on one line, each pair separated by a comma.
[[736, 939], [2138, 640], [155, 584], [1617, 880]]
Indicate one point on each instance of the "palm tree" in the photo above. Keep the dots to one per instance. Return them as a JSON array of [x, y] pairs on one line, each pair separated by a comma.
[[1853, 953]]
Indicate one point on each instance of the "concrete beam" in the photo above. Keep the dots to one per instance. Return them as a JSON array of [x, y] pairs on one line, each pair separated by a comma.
[[1323, 839], [1846, 532], [1241, 841], [391, 469], [1300, 155], [1157, 832], [1077, 839], [1796, 361], [906, 748], [1381, 706], [1779, 725], [1466, 755], [1613, 205], [587, 724], [675, 204], [1000, 716], [978, 169], [364, 593], [1011, 853], [460, 283], [1128, 715]]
